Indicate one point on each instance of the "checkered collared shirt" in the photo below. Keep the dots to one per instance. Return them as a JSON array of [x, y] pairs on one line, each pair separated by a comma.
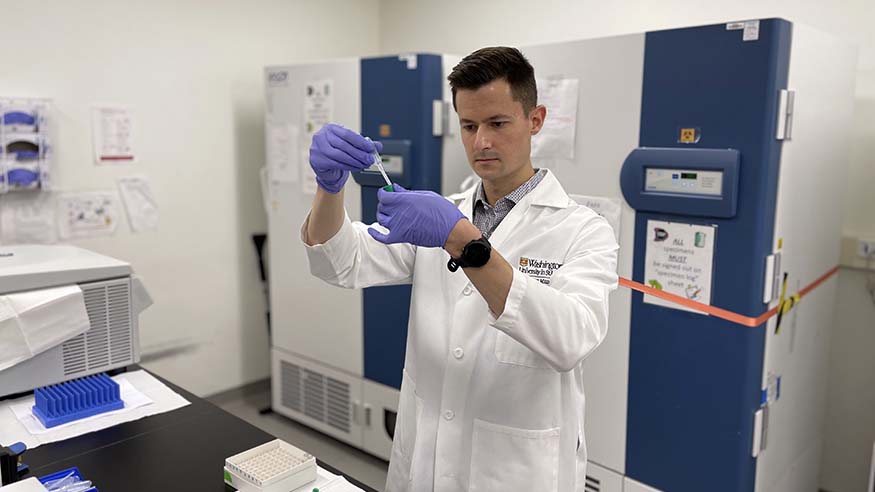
[[487, 218]]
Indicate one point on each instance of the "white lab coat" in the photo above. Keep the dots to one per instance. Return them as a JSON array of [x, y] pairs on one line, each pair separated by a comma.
[[492, 404]]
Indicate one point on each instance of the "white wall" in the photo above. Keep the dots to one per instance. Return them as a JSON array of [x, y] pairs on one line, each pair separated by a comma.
[[192, 72], [461, 26], [850, 416]]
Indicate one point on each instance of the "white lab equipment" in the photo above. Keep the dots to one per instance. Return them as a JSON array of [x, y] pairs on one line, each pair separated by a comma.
[[728, 142], [86, 309]]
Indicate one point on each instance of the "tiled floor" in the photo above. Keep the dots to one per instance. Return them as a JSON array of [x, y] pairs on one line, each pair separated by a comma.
[[246, 402]]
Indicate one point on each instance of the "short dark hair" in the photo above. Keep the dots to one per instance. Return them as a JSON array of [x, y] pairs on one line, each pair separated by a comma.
[[498, 62]]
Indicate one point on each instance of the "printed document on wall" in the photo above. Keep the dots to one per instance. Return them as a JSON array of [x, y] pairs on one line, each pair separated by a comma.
[[679, 259], [282, 144], [111, 128], [88, 214], [556, 139], [27, 218], [609, 208], [140, 203]]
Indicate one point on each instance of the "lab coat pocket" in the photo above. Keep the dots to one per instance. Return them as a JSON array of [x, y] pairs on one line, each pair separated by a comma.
[[401, 464], [509, 459], [510, 351]]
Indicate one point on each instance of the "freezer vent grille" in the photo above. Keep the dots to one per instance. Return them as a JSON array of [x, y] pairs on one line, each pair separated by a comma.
[[119, 323], [291, 386], [593, 484], [337, 405], [315, 395], [108, 343]]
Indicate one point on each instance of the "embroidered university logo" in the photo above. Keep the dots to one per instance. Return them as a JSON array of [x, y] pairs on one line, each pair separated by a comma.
[[542, 270]]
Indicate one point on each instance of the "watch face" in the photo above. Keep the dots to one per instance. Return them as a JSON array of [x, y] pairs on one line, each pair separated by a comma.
[[476, 254]]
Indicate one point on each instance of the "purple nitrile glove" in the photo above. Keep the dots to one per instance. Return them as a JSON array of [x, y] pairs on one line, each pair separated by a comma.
[[336, 151], [422, 218]]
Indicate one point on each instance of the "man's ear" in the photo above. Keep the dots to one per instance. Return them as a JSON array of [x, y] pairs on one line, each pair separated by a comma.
[[536, 118]]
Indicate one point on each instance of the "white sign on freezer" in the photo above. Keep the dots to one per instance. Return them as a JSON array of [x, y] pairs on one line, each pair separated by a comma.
[[318, 110], [680, 260]]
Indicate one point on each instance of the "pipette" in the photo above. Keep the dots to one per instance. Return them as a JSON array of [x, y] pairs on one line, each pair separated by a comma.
[[379, 163]]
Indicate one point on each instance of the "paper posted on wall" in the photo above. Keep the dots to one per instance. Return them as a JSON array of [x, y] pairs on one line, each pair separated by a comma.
[[140, 203], [88, 214], [609, 208], [112, 128], [28, 218], [556, 139]]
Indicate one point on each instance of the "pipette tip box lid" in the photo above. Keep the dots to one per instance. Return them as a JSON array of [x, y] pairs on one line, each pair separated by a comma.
[[276, 466]]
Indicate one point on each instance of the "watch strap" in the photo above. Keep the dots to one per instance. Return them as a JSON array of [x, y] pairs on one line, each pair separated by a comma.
[[455, 263]]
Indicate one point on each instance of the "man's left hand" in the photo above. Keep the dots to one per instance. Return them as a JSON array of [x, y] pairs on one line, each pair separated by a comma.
[[422, 218]]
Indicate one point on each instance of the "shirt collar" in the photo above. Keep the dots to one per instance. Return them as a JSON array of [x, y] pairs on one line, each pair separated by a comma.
[[514, 196]]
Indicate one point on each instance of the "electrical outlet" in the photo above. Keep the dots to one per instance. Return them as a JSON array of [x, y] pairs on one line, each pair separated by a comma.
[[865, 247]]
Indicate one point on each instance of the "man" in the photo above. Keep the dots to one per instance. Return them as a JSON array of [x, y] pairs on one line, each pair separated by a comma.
[[492, 391]]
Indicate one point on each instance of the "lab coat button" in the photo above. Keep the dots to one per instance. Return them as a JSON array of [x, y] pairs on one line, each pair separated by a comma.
[[468, 290], [458, 352], [449, 415]]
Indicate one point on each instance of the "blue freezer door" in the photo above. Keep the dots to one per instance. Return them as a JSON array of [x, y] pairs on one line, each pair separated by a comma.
[[694, 380], [397, 101]]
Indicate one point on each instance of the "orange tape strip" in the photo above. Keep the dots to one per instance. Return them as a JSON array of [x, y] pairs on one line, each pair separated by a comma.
[[716, 311]]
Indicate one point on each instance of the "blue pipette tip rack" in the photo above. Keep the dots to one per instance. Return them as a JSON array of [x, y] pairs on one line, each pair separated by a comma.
[[77, 399]]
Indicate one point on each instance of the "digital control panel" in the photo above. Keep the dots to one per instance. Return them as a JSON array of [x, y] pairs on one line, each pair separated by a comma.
[[683, 181], [693, 182]]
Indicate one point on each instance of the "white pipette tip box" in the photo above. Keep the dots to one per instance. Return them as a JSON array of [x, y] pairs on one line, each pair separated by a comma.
[[276, 466]]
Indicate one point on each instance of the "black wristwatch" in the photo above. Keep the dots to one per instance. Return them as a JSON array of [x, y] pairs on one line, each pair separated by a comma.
[[474, 255]]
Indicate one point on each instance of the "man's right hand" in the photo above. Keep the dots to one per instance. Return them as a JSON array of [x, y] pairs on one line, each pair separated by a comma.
[[336, 151]]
